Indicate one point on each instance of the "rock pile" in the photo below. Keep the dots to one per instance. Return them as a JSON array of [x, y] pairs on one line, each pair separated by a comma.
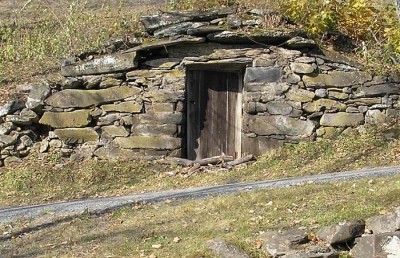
[[378, 236], [17, 133]]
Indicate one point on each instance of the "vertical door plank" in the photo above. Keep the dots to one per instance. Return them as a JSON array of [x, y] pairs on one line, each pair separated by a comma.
[[212, 113]]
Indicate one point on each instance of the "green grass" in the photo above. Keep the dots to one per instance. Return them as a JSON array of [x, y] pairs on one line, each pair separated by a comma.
[[45, 181], [132, 232]]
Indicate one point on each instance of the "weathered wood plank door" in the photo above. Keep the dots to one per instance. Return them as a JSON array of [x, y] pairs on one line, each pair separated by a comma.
[[213, 113]]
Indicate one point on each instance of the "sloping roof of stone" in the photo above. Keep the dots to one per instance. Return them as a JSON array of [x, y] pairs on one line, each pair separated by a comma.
[[222, 26]]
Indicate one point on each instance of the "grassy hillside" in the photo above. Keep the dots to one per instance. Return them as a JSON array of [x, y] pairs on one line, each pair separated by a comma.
[[181, 229], [36, 34], [54, 179]]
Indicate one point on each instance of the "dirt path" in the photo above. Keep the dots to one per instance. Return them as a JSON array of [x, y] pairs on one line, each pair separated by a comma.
[[101, 205]]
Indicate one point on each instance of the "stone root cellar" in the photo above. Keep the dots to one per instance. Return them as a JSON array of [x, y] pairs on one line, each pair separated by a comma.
[[201, 83]]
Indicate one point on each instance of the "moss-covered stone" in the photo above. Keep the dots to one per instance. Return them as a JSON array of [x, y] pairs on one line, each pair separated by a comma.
[[301, 68], [87, 98], [79, 118], [148, 142], [342, 119], [157, 118], [163, 107], [114, 131], [166, 129], [110, 82], [338, 95], [300, 95], [336, 79], [327, 104], [123, 107], [77, 135], [165, 95], [102, 65]]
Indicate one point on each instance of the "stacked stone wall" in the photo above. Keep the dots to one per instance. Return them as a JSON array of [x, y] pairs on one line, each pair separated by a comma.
[[131, 104]]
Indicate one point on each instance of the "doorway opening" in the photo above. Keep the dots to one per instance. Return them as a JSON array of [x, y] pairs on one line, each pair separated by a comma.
[[214, 112]]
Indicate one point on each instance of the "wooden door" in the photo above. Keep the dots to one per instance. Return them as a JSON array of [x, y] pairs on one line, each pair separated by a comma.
[[213, 113]]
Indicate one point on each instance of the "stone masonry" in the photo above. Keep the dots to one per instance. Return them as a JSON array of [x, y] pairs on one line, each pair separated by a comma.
[[130, 103]]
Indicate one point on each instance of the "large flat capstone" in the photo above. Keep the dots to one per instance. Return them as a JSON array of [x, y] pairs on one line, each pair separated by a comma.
[[342, 119], [271, 36], [79, 118], [336, 79], [87, 98], [154, 22], [77, 135], [280, 125], [149, 142], [106, 64]]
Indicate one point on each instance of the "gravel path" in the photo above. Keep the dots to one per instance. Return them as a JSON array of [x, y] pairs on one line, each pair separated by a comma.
[[101, 205]]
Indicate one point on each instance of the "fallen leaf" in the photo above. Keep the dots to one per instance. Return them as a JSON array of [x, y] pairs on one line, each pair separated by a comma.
[[156, 246]]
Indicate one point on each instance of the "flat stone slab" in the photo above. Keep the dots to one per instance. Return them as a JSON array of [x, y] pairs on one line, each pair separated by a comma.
[[173, 30], [19, 120], [155, 22], [204, 30], [263, 75], [300, 43], [79, 118], [152, 119], [300, 95], [166, 129], [77, 135], [165, 95], [379, 90], [337, 79], [114, 131], [342, 232], [384, 223], [149, 142], [270, 36], [378, 245], [280, 125], [277, 244], [167, 42], [103, 65], [327, 104], [317, 251], [87, 98], [123, 107], [342, 119], [279, 108], [223, 249], [301, 68]]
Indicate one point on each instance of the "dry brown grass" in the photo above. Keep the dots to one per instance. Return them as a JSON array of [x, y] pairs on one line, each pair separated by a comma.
[[133, 232], [46, 181]]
